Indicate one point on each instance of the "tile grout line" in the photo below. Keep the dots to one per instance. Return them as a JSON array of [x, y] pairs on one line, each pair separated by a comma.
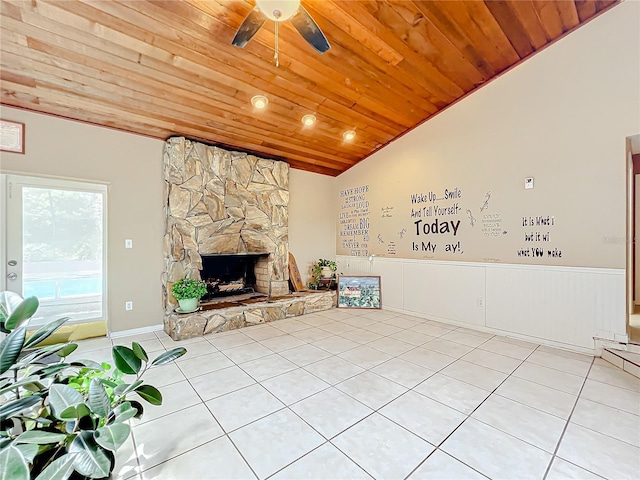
[[494, 392], [437, 449], [325, 442], [240, 453], [522, 361], [606, 406], [566, 425], [524, 404], [468, 417], [617, 370]]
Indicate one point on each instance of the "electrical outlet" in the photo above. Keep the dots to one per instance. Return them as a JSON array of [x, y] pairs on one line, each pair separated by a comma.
[[128, 305], [480, 301]]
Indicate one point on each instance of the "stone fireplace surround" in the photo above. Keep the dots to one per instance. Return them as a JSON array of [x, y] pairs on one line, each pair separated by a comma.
[[222, 202]]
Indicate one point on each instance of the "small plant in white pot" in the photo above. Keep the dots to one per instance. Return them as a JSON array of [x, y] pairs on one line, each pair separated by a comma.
[[188, 291], [324, 274], [327, 268]]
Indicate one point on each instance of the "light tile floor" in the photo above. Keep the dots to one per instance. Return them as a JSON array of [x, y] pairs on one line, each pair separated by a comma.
[[350, 394]]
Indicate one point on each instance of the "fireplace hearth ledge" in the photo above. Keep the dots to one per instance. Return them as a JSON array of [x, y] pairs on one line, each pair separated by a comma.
[[184, 326]]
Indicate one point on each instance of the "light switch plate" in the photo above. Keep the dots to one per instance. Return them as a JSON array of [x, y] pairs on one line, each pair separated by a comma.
[[128, 243], [528, 183]]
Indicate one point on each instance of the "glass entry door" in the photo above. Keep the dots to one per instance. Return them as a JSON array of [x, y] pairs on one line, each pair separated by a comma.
[[55, 246]]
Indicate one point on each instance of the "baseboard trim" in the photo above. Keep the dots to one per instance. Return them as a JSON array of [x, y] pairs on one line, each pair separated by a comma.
[[135, 331]]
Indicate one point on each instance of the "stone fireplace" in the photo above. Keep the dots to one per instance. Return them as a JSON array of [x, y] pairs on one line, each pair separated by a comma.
[[219, 202]]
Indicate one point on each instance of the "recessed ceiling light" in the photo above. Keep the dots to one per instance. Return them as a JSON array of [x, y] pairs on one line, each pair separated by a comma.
[[259, 101], [309, 119], [349, 135]]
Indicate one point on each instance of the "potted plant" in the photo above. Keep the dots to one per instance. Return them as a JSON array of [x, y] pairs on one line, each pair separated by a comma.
[[64, 419], [324, 274], [327, 268], [188, 291]]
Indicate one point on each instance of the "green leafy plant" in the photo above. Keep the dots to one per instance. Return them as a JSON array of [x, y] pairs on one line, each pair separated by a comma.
[[318, 270], [64, 419], [323, 262], [189, 288]]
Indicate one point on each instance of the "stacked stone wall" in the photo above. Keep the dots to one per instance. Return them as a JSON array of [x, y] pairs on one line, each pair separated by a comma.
[[222, 202]]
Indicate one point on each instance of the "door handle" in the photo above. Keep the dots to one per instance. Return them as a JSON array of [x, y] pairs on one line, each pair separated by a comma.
[[12, 276]]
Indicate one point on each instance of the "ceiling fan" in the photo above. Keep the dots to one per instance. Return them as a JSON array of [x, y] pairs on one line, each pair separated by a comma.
[[280, 11]]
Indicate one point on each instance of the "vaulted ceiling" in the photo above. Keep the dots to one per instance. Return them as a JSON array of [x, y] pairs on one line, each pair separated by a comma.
[[163, 68]]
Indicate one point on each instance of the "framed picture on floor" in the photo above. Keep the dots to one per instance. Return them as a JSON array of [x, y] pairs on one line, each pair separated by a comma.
[[359, 292]]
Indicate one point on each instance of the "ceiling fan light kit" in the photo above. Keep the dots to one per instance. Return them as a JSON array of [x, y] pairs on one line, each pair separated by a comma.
[[259, 101], [280, 11]]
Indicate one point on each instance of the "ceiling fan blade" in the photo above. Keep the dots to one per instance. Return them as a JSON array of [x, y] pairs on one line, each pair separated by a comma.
[[249, 28], [310, 30]]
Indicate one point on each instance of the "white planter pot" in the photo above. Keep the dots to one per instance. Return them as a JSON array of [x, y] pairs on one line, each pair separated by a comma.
[[188, 304]]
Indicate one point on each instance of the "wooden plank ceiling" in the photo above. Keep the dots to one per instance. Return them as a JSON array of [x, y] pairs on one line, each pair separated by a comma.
[[163, 68]]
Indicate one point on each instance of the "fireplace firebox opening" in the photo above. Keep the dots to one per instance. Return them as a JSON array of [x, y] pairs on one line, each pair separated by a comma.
[[228, 275]]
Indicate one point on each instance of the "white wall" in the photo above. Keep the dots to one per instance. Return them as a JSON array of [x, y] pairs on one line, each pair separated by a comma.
[[131, 166], [312, 231], [561, 117]]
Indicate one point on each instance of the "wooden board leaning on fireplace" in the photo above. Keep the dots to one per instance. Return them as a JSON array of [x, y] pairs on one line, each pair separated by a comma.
[[294, 274]]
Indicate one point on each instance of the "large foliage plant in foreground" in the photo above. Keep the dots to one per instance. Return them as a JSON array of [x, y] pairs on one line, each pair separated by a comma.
[[59, 418]]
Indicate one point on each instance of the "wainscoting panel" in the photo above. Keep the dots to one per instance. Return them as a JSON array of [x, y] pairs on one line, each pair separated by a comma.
[[559, 306], [566, 305], [392, 280], [445, 291], [354, 265]]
